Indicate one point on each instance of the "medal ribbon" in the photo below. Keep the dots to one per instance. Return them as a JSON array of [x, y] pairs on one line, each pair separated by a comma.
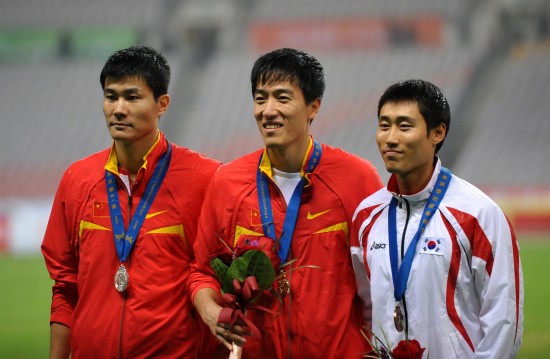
[[401, 276], [125, 240], [291, 216]]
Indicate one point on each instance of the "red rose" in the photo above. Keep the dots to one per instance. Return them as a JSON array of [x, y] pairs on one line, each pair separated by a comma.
[[408, 349]]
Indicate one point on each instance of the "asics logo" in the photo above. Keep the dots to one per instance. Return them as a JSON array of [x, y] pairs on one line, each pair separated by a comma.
[[375, 245]]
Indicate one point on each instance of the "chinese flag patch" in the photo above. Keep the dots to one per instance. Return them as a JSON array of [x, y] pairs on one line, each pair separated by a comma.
[[101, 209], [255, 218]]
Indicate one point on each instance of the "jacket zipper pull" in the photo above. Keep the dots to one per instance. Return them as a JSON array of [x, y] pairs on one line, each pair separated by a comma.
[[400, 201]]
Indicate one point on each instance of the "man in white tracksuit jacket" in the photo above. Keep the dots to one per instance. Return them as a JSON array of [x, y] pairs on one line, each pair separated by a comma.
[[459, 291]]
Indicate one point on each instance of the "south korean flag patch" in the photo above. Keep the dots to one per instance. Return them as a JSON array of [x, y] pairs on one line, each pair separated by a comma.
[[432, 245]]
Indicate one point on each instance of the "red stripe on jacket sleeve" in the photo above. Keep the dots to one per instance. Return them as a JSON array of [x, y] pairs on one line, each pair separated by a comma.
[[451, 285], [481, 247], [365, 236], [361, 217]]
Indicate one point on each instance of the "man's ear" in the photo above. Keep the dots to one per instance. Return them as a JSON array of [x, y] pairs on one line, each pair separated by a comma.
[[314, 107], [164, 102], [439, 133]]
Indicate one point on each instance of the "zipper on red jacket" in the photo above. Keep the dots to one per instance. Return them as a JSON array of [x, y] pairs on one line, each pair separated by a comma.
[[289, 313], [289, 277], [120, 338], [129, 209]]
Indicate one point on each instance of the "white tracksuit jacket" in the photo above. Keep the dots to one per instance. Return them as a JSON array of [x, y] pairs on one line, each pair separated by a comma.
[[464, 295]]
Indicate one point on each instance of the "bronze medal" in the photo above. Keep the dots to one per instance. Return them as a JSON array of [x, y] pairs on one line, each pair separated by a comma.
[[121, 278], [283, 285], [398, 318]]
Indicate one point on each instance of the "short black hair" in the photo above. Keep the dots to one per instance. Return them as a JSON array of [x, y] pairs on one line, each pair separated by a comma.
[[292, 65], [143, 62], [432, 103]]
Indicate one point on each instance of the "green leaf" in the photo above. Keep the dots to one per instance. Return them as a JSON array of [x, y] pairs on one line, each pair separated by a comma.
[[236, 271], [252, 263], [219, 268], [259, 265]]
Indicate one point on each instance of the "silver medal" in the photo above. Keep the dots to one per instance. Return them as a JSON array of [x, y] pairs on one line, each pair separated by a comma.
[[121, 278], [398, 318]]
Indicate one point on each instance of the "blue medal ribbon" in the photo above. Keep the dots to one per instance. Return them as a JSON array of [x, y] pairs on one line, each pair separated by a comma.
[[400, 275], [125, 240], [291, 216]]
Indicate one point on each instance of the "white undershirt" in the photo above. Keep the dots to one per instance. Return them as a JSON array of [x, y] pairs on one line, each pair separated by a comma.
[[286, 182], [126, 179]]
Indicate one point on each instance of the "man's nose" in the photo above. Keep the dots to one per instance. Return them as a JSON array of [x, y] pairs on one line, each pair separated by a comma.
[[120, 108], [270, 107], [392, 135]]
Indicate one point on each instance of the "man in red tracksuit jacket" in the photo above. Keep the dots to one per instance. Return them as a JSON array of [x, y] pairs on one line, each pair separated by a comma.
[[121, 276], [320, 316]]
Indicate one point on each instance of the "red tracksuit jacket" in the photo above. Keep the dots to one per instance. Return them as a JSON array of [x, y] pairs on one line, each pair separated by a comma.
[[321, 316], [153, 318]]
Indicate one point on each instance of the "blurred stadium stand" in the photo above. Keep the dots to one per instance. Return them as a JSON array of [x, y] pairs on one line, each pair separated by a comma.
[[491, 57]]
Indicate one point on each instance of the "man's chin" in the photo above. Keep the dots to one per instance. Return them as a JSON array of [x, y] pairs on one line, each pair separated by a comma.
[[118, 133], [271, 143], [391, 168]]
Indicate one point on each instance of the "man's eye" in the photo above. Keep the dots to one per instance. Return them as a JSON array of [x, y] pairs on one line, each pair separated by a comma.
[[133, 98], [259, 99], [110, 97], [284, 98]]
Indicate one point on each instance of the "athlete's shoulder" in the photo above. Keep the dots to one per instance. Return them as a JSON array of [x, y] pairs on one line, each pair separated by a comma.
[[238, 173], [90, 165], [245, 165], [188, 157], [338, 162], [464, 196], [336, 155], [378, 199], [83, 174]]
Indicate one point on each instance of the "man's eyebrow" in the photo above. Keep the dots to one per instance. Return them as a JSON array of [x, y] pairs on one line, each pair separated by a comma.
[[127, 91], [275, 92], [398, 119]]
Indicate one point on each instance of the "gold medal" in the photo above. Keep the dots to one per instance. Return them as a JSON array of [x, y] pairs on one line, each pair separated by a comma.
[[398, 318], [283, 285], [121, 278]]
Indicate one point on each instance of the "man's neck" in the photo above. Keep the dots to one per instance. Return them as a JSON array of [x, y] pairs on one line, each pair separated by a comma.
[[416, 181], [289, 159], [130, 155]]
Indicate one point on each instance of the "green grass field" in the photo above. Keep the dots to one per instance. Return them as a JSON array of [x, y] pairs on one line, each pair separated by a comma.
[[26, 292]]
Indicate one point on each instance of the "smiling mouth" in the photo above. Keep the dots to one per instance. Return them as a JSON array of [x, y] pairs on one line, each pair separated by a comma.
[[272, 126]]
